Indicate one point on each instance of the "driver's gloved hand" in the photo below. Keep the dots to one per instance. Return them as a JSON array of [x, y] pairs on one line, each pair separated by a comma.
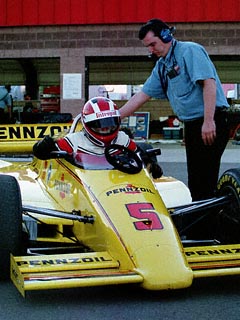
[[42, 149], [155, 169]]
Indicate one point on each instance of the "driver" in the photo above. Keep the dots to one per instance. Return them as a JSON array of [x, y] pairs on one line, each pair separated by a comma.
[[101, 127]]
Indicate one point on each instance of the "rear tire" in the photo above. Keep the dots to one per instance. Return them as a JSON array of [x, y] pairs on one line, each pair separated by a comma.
[[228, 218], [10, 223]]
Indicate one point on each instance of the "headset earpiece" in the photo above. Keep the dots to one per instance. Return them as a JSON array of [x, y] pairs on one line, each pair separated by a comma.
[[166, 35]]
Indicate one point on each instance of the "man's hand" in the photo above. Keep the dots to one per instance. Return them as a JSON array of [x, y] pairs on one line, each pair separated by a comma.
[[209, 98], [208, 132]]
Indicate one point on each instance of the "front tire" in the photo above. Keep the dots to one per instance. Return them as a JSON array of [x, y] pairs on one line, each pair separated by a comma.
[[228, 218], [10, 223]]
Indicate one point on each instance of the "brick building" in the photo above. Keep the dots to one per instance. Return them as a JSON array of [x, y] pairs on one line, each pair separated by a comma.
[[51, 43]]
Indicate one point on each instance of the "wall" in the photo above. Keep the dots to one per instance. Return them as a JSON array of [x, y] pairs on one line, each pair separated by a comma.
[[66, 12], [73, 43]]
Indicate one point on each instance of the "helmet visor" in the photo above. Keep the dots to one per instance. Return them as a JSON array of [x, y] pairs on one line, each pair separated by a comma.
[[104, 126]]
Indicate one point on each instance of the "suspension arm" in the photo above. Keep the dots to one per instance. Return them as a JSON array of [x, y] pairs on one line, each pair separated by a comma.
[[201, 206], [59, 214]]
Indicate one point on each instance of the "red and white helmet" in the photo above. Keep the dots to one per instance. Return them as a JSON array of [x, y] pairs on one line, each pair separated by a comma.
[[101, 120]]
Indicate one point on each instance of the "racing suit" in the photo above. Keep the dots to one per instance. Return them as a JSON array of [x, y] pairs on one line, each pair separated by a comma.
[[79, 143]]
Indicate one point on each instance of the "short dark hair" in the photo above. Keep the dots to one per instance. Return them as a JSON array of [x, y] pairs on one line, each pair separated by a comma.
[[154, 25]]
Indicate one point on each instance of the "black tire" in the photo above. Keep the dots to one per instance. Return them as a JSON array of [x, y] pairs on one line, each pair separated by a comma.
[[228, 218], [10, 223]]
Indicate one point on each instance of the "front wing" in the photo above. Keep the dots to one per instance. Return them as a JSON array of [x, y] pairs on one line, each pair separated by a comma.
[[99, 268], [68, 271]]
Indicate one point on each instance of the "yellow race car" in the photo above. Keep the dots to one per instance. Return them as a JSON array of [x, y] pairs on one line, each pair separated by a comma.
[[103, 220]]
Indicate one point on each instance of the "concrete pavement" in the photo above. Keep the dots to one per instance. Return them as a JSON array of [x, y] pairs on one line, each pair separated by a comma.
[[174, 151]]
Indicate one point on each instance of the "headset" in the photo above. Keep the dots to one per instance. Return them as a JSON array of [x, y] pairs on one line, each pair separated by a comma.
[[166, 35], [161, 29]]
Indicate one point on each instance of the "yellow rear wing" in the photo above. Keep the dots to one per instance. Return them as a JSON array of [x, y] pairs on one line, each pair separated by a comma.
[[20, 138]]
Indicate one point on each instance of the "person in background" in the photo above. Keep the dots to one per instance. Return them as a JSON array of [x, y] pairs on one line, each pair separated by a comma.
[[101, 127], [185, 75], [5, 103], [28, 104]]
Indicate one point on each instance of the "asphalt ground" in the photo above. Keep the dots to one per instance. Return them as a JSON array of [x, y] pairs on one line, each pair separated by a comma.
[[174, 151], [173, 157]]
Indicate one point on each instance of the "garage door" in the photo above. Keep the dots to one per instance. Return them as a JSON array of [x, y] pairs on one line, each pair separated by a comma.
[[135, 70], [112, 70], [19, 71]]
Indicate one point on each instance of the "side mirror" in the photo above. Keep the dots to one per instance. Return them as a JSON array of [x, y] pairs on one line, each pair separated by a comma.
[[153, 152]]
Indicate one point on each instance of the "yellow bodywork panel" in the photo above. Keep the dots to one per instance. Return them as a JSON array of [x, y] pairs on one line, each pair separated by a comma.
[[131, 226]]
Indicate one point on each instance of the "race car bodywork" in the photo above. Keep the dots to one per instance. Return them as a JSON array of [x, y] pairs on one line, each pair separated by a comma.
[[84, 222]]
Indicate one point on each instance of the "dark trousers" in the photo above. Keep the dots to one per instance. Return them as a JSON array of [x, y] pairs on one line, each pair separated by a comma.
[[203, 162], [4, 117]]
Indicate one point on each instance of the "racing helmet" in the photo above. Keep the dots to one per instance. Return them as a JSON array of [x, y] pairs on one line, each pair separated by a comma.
[[101, 120]]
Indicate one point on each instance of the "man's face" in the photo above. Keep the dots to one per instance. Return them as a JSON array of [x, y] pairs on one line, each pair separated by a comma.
[[155, 45]]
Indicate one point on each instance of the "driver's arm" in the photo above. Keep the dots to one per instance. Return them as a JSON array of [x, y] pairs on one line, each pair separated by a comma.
[[125, 138], [150, 161]]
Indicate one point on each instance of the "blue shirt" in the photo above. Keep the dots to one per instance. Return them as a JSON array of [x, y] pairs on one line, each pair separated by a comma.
[[182, 88], [5, 99]]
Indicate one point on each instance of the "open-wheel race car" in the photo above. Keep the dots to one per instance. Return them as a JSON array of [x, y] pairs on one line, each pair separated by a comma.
[[103, 220]]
